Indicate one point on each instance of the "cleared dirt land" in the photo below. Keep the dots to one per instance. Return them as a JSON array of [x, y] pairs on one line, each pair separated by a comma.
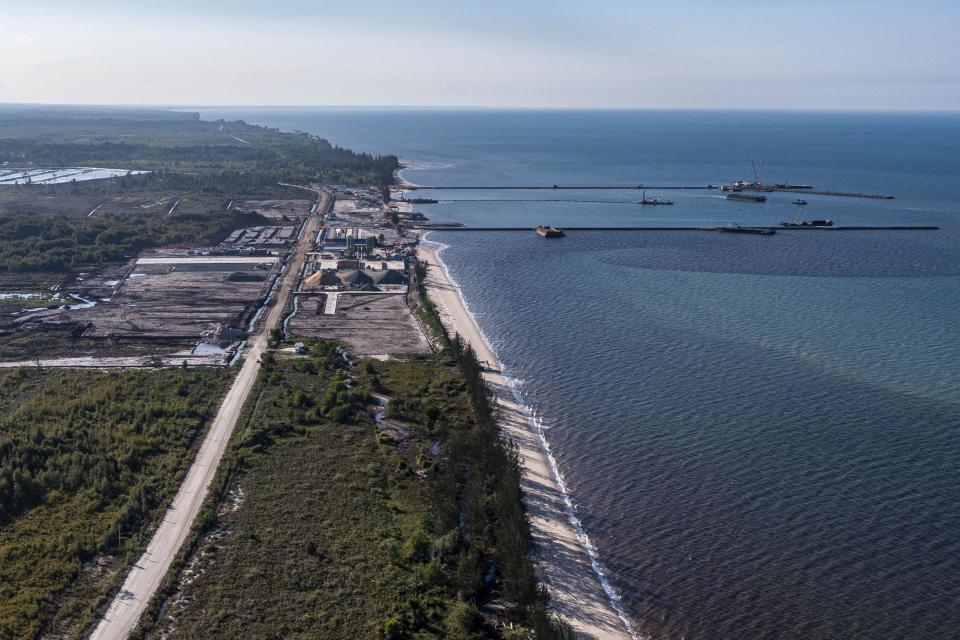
[[160, 299], [275, 208], [371, 323]]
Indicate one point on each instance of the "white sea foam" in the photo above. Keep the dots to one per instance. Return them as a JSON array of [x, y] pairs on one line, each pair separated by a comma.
[[536, 423], [413, 165]]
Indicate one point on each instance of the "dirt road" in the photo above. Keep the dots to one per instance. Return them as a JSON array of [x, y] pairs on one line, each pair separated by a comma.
[[145, 576]]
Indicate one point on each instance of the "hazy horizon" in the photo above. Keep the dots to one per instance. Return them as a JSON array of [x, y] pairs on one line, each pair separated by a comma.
[[467, 107], [531, 54]]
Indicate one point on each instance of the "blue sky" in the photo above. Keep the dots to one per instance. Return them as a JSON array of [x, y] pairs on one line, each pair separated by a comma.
[[529, 53]]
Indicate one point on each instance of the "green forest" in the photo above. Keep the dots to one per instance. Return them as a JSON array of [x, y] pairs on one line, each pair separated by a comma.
[[88, 461]]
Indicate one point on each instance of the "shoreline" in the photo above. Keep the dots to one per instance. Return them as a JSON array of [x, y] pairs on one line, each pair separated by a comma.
[[565, 559], [405, 184]]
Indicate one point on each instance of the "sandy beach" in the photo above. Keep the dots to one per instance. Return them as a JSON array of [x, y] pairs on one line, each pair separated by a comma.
[[404, 183], [564, 565]]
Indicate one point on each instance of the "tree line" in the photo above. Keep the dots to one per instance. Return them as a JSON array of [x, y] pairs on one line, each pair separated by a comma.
[[476, 539], [191, 146], [59, 243]]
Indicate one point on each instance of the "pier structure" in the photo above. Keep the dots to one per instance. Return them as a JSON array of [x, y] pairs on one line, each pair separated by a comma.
[[639, 187], [911, 227]]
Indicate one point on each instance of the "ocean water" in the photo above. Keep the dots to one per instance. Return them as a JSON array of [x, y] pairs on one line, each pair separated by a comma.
[[761, 434]]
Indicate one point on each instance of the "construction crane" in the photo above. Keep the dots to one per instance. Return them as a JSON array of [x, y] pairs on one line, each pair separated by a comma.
[[757, 172]]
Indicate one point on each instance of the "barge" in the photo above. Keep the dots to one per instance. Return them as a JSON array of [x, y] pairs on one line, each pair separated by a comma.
[[760, 231], [808, 223], [746, 197]]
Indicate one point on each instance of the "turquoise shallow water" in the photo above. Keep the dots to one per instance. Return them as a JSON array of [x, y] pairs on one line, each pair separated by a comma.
[[761, 434]]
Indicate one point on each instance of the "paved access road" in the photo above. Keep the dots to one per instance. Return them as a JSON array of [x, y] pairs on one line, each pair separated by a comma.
[[145, 576]]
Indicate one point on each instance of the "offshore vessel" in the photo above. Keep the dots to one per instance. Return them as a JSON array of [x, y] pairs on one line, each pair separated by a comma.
[[797, 222], [808, 223], [760, 231], [745, 197], [645, 200], [550, 232]]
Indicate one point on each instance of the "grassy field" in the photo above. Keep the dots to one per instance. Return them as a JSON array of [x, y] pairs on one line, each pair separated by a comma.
[[85, 455], [333, 527]]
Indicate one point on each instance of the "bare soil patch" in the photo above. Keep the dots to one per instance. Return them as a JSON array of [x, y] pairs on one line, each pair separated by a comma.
[[370, 323]]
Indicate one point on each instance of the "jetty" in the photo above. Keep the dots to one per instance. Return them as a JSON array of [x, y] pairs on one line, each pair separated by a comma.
[[910, 227], [735, 187], [580, 187], [841, 194]]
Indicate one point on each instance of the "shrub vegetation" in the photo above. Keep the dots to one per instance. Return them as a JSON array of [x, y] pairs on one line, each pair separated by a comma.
[[88, 462], [339, 530]]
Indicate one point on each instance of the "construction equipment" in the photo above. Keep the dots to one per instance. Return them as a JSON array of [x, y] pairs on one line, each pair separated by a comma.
[[757, 171]]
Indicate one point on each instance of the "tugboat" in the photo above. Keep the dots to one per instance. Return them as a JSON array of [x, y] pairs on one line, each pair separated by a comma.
[[645, 200], [746, 197], [734, 228], [550, 232]]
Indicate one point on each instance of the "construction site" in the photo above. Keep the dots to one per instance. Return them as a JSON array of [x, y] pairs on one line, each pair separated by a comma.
[[371, 323], [198, 305], [356, 282], [165, 298]]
